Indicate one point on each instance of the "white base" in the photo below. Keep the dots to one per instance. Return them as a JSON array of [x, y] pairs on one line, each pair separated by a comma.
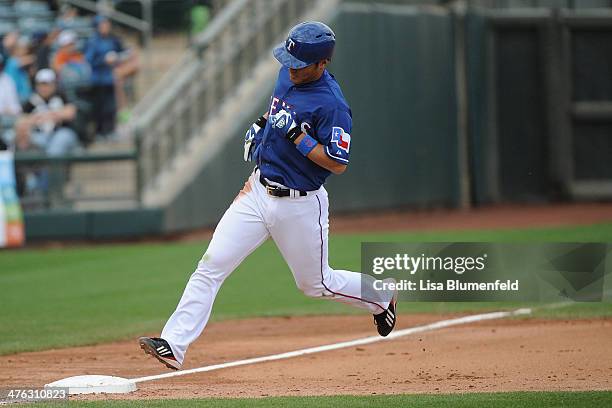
[[93, 384]]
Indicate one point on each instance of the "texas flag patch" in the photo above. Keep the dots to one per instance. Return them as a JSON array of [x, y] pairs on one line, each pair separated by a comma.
[[339, 145], [341, 138]]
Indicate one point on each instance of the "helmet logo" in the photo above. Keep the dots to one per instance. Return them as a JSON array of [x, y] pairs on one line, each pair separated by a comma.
[[290, 44]]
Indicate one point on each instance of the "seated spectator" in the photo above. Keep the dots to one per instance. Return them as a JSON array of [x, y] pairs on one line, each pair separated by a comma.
[[9, 41], [18, 67], [67, 52], [67, 16], [103, 53], [47, 123], [10, 107], [44, 47], [9, 100], [124, 71]]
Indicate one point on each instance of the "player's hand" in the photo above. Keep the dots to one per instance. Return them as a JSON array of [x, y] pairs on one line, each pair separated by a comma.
[[283, 121], [249, 138], [111, 58], [249, 145]]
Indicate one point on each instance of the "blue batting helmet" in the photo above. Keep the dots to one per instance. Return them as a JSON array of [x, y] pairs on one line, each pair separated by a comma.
[[307, 43]]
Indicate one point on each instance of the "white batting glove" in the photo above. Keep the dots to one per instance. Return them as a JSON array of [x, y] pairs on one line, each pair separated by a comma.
[[282, 120], [249, 137]]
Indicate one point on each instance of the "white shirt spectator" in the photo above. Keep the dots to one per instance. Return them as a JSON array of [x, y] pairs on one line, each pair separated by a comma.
[[9, 100]]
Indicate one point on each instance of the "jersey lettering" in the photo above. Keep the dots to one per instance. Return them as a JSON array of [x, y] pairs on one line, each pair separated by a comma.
[[274, 105], [305, 126]]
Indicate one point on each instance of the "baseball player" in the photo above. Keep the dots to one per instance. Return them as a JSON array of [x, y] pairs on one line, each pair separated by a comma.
[[302, 138]]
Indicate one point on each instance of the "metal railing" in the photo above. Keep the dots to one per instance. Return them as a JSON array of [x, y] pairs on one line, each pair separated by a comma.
[[222, 57], [135, 23], [102, 180], [546, 4]]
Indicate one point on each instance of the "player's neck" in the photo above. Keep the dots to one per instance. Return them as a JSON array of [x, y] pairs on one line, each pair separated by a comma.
[[314, 78]]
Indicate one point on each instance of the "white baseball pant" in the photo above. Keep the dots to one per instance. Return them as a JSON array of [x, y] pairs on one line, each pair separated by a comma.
[[299, 227]]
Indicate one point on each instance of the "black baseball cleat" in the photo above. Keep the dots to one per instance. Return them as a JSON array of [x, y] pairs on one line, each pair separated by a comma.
[[160, 349], [385, 321]]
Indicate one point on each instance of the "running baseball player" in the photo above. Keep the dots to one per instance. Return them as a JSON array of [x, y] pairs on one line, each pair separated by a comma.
[[297, 144]]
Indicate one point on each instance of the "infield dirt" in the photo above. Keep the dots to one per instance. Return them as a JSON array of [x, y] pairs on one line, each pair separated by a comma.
[[501, 355]]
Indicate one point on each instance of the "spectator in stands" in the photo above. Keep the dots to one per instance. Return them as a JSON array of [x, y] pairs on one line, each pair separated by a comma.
[[103, 53], [47, 123], [9, 100], [9, 41], [67, 51], [43, 49], [124, 71], [67, 16], [18, 67], [70, 64], [10, 107]]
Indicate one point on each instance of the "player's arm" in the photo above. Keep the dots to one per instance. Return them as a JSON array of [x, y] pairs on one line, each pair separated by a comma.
[[320, 157], [333, 153], [330, 148]]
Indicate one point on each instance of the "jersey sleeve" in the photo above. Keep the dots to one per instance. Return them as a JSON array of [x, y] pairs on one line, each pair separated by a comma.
[[333, 131]]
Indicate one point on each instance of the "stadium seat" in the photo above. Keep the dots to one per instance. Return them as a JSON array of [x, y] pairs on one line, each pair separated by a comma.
[[78, 23], [32, 9], [7, 12], [31, 25], [27, 6], [7, 27]]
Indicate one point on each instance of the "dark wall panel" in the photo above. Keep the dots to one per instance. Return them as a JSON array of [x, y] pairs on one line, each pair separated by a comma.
[[592, 65], [397, 73], [521, 115], [478, 108], [591, 68], [592, 144]]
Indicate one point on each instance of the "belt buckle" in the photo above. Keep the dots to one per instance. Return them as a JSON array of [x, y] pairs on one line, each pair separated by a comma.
[[271, 190]]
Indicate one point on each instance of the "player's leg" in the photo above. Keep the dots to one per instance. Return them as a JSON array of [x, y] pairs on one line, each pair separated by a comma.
[[300, 231], [240, 232]]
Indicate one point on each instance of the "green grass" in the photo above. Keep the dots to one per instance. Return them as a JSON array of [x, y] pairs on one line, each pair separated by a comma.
[[489, 400], [85, 295]]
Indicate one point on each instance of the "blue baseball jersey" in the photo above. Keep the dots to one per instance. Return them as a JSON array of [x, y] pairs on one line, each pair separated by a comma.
[[322, 112]]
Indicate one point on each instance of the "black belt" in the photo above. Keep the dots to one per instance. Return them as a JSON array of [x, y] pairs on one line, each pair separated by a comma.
[[277, 191]]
